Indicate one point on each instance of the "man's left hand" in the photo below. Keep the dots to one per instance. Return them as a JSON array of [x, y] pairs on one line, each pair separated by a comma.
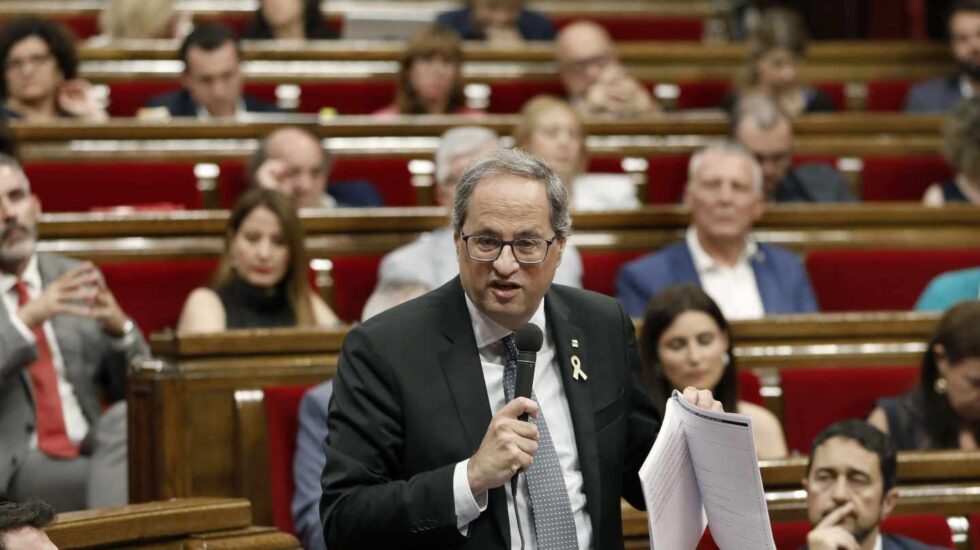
[[702, 399]]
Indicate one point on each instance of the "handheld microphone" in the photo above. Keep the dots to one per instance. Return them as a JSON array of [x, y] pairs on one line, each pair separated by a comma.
[[528, 340]]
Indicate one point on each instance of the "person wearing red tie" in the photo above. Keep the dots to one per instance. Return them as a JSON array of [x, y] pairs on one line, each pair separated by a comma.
[[64, 347]]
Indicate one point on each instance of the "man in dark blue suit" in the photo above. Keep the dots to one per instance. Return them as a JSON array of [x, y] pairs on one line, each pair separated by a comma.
[[498, 21], [747, 278], [850, 489], [943, 94], [212, 79]]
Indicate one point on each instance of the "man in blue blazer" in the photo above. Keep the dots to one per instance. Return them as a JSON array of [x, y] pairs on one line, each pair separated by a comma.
[[943, 94], [748, 279], [212, 78]]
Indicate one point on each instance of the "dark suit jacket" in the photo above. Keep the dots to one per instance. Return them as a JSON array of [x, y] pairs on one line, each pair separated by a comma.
[[895, 542], [939, 95], [410, 402], [92, 364], [783, 283], [180, 103], [813, 182], [531, 24]]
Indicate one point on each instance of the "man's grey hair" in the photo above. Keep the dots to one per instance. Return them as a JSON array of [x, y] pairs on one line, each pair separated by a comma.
[[514, 162], [459, 142], [13, 164], [760, 109], [726, 147]]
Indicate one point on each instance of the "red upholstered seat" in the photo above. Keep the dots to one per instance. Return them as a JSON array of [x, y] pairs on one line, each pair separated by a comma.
[[887, 95], [666, 178], [508, 97], [599, 269], [902, 178], [354, 278], [975, 530], [702, 94], [356, 97], [836, 92], [870, 280], [814, 398], [152, 293], [644, 27], [930, 529], [749, 388], [126, 97], [232, 181], [282, 418], [81, 186]]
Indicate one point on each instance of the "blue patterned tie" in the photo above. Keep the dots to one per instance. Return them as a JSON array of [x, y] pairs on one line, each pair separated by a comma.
[[550, 509]]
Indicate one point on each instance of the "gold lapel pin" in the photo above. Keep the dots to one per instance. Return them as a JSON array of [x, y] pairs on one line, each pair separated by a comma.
[[577, 369]]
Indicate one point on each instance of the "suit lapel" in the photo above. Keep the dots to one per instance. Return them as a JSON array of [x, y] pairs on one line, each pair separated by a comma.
[[461, 366], [563, 333], [772, 301]]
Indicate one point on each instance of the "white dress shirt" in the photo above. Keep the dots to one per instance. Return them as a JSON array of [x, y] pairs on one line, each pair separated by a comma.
[[550, 396], [733, 288], [75, 422]]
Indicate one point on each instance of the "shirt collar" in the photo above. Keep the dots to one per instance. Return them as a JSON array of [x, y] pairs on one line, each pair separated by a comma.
[[202, 112], [488, 332], [878, 543], [703, 262], [31, 276], [966, 87]]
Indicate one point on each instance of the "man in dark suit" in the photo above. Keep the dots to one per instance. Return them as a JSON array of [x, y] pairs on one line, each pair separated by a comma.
[[498, 21], [941, 95], [64, 348], [850, 488], [747, 279], [423, 438], [212, 79]]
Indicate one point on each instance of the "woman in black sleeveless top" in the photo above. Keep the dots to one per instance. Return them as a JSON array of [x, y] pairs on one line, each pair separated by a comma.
[[961, 148], [261, 281], [943, 412]]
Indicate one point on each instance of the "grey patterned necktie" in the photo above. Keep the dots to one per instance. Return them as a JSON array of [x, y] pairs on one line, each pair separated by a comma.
[[550, 509]]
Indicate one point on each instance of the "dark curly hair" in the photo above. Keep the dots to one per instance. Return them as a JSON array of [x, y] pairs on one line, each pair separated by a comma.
[[314, 24], [17, 515], [435, 41], [59, 41]]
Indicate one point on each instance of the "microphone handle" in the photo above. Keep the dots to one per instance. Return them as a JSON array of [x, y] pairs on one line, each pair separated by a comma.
[[525, 376]]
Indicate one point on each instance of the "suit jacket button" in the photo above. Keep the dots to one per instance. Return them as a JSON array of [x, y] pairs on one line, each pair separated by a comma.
[[29, 427]]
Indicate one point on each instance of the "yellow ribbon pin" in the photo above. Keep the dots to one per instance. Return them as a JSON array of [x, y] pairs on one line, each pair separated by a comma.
[[577, 369]]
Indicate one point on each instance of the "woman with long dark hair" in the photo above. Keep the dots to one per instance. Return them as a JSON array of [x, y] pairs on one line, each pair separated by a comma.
[[289, 20], [943, 411]]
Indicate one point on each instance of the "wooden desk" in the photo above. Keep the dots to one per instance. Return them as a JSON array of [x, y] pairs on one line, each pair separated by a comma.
[[175, 524]]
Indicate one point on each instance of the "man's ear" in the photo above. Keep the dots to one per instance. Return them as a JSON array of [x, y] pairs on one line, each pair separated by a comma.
[[888, 503]]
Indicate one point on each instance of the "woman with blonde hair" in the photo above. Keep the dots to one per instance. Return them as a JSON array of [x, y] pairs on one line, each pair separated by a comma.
[[262, 280], [131, 19], [961, 148]]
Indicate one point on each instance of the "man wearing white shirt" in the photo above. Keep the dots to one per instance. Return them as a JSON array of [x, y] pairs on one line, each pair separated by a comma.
[[63, 340], [746, 278], [423, 441]]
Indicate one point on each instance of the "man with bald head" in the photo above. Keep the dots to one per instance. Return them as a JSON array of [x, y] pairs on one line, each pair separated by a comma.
[[595, 80], [747, 279], [292, 160]]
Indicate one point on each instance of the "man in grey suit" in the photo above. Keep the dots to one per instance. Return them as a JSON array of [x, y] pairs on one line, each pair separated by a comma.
[[64, 348], [941, 95]]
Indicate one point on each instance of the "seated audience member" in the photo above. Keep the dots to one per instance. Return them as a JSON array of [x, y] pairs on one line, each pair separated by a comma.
[[594, 79], [943, 411], [942, 94], [430, 261], [950, 288], [850, 489], [288, 20], [212, 78], [430, 80], [22, 525], [292, 161], [746, 278], [961, 147], [40, 65], [308, 465], [498, 21], [776, 50], [760, 126], [141, 19], [262, 280], [65, 347], [686, 341], [550, 129]]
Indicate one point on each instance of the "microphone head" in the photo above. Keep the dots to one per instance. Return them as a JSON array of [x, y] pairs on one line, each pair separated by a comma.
[[529, 338]]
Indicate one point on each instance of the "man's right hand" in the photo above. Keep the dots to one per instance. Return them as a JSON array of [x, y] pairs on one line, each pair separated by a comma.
[[507, 448], [273, 174], [71, 294], [829, 535]]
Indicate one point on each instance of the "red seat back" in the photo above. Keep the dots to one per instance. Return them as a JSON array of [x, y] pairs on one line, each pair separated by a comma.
[[126, 97], [282, 418], [508, 97], [152, 293], [835, 90], [356, 97], [644, 27], [904, 178], [666, 178], [975, 530], [871, 280], [887, 95], [749, 388], [814, 398], [702, 94], [599, 269], [82, 186], [354, 278]]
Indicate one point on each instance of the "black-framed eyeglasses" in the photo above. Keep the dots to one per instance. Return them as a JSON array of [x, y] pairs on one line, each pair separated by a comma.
[[484, 248]]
